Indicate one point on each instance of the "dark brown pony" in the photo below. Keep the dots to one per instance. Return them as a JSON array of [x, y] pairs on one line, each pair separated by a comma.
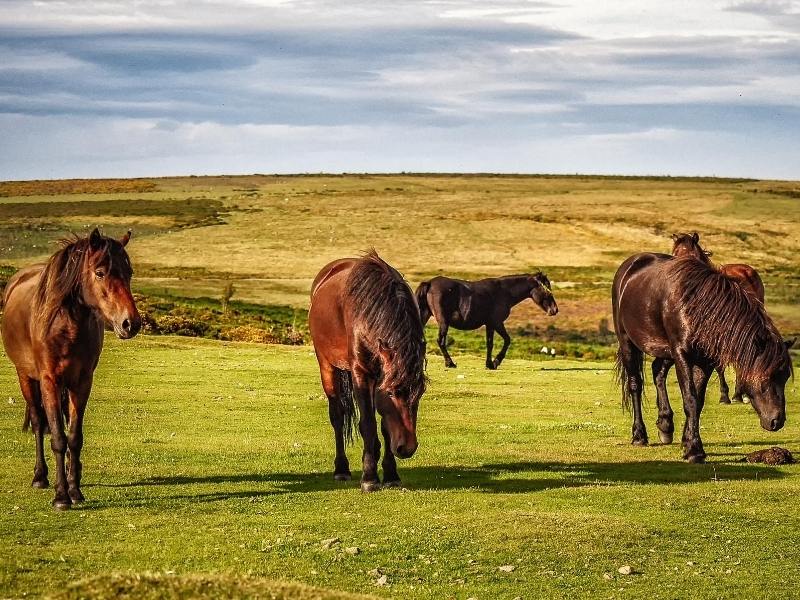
[[685, 311], [471, 304], [370, 346], [686, 244], [53, 325]]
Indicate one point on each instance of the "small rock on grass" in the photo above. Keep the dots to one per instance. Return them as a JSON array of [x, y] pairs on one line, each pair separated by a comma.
[[329, 543], [353, 550], [382, 580], [608, 576], [507, 568], [625, 570]]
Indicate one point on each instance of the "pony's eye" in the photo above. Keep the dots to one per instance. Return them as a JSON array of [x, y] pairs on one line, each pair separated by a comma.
[[99, 273]]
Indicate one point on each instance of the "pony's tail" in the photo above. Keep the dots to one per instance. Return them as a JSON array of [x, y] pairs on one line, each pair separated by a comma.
[[622, 376], [422, 301], [26, 420], [348, 404]]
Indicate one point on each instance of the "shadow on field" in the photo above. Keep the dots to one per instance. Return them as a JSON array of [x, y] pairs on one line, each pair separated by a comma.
[[505, 478]]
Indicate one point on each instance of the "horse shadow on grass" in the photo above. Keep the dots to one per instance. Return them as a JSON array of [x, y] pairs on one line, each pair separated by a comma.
[[499, 478]]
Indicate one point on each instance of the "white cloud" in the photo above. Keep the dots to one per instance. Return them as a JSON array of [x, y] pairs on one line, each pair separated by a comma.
[[134, 88]]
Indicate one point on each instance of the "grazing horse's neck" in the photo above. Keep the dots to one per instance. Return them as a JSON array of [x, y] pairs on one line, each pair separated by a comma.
[[519, 287]]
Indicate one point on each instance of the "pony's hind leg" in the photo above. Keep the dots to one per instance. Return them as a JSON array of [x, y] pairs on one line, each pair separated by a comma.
[[38, 421], [490, 364], [442, 341], [723, 387], [666, 420], [631, 361], [335, 390]]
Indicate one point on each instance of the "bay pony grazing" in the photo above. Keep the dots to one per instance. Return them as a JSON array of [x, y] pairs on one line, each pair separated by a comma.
[[686, 244], [370, 346], [470, 304], [685, 311], [53, 325]]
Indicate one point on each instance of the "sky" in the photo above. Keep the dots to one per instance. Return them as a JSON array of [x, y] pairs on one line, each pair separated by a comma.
[[176, 87]]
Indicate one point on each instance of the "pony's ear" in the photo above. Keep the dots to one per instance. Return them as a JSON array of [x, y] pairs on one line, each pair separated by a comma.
[[789, 343], [125, 238], [696, 237], [95, 239], [386, 353], [674, 237]]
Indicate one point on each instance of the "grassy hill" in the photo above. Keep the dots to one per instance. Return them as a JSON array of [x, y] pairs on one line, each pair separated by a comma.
[[269, 235]]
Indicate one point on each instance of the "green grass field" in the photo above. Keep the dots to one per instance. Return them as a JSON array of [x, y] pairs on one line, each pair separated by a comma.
[[208, 463]]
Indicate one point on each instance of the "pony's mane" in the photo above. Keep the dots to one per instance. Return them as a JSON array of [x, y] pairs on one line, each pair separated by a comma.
[[60, 282], [382, 302], [730, 326]]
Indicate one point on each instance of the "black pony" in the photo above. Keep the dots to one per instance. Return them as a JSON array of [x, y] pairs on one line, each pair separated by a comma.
[[470, 304]]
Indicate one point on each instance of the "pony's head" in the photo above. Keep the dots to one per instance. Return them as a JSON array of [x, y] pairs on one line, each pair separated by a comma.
[[542, 293], [767, 391], [105, 281], [688, 244], [398, 394]]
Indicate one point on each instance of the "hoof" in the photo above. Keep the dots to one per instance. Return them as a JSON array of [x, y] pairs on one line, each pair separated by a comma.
[[496, 363], [724, 400], [666, 438], [639, 443], [395, 483], [451, 365], [371, 486], [737, 399], [491, 366], [76, 496], [746, 400], [60, 504], [696, 459], [40, 484], [342, 476]]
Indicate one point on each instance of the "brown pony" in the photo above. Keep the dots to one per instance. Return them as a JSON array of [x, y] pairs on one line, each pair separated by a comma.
[[685, 244], [684, 311], [370, 346], [53, 326]]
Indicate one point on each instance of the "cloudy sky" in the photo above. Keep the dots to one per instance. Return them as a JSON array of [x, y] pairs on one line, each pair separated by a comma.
[[160, 87]]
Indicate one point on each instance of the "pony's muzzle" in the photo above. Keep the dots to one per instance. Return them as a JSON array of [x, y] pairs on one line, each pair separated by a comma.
[[773, 422], [552, 311], [405, 450], [129, 326]]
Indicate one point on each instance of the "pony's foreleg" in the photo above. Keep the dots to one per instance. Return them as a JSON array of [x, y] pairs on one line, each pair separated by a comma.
[[723, 386], [336, 412], [489, 346], [666, 421], [368, 428], [693, 380], [738, 393], [77, 407], [51, 399], [390, 476], [442, 341], [38, 421], [501, 329]]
